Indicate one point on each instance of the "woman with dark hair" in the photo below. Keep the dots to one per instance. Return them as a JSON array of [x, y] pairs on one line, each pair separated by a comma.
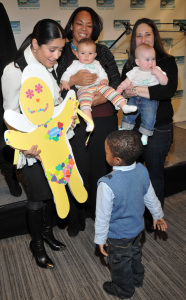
[[137, 38], [86, 23], [145, 31], [97, 24], [43, 47]]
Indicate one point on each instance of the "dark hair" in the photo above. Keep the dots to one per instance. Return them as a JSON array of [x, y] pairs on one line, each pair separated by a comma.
[[87, 41], [96, 20], [125, 144], [158, 46], [44, 31]]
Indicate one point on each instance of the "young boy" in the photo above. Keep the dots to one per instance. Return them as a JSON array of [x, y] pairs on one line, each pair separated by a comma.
[[145, 74], [86, 53], [121, 199]]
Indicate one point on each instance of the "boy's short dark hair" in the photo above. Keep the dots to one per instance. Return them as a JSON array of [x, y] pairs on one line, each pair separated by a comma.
[[125, 144]]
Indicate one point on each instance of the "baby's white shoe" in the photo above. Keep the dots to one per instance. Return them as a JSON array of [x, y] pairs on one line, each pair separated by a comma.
[[89, 127], [144, 139], [129, 108]]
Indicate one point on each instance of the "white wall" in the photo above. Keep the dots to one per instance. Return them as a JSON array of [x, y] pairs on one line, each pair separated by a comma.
[[129, 10]]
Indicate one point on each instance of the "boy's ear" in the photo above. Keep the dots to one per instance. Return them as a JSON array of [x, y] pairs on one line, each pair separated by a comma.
[[95, 55], [137, 61], [117, 161]]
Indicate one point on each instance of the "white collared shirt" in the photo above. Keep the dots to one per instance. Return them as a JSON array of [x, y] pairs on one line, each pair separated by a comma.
[[11, 83]]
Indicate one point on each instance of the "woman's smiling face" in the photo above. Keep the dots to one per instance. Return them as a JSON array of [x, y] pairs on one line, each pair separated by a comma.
[[82, 27], [47, 54]]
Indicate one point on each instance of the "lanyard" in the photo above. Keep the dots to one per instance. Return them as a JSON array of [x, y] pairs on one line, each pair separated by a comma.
[[73, 46]]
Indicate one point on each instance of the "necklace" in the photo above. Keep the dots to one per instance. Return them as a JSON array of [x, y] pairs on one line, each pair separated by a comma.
[[73, 46]]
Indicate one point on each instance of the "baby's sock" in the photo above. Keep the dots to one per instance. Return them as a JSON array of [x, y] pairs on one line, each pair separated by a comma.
[[89, 127], [129, 108], [144, 139]]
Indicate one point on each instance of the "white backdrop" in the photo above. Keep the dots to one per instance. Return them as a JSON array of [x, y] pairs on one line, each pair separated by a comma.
[[24, 14]]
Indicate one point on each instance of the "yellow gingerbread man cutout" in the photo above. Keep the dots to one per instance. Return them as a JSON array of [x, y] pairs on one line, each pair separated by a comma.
[[47, 128]]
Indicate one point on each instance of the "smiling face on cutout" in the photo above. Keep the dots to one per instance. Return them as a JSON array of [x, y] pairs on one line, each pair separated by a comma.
[[36, 101]]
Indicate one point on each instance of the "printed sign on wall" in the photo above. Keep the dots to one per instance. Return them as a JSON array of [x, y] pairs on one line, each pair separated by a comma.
[[178, 94], [137, 4], [157, 22], [105, 4], [107, 43], [167, 4], [180, 24], [28, 3], [68, 4], [120, 24], [120, 63], [180, 60], [16, 28], [167, 43]]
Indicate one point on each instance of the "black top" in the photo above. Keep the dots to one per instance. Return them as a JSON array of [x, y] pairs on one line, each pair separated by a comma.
[[163, 93]]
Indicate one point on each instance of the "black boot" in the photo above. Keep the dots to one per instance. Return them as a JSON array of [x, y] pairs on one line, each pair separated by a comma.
[[35, 222], [49, 210]]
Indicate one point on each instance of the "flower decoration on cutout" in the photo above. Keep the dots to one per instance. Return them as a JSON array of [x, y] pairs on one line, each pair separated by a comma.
[[38, 88], [30, 93]]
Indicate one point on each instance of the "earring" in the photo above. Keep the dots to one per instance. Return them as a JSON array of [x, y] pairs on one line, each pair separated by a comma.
[[35, 50]]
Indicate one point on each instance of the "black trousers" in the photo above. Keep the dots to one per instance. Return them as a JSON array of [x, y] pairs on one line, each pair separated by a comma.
[[154, 156], [36, 183], [127, 271]]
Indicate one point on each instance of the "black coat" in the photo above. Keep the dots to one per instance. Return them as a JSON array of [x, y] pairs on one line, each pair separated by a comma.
[[8, 50]]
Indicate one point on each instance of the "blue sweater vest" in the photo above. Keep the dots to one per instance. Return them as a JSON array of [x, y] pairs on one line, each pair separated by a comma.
[[129, 188]]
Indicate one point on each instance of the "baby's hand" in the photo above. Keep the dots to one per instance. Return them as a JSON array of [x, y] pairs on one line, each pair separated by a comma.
[[160, 224], [154, 71], [104, 82], [119, 89], [64, 85]]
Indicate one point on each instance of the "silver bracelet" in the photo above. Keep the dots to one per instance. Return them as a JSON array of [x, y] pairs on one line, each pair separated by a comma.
[[133, 89]]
